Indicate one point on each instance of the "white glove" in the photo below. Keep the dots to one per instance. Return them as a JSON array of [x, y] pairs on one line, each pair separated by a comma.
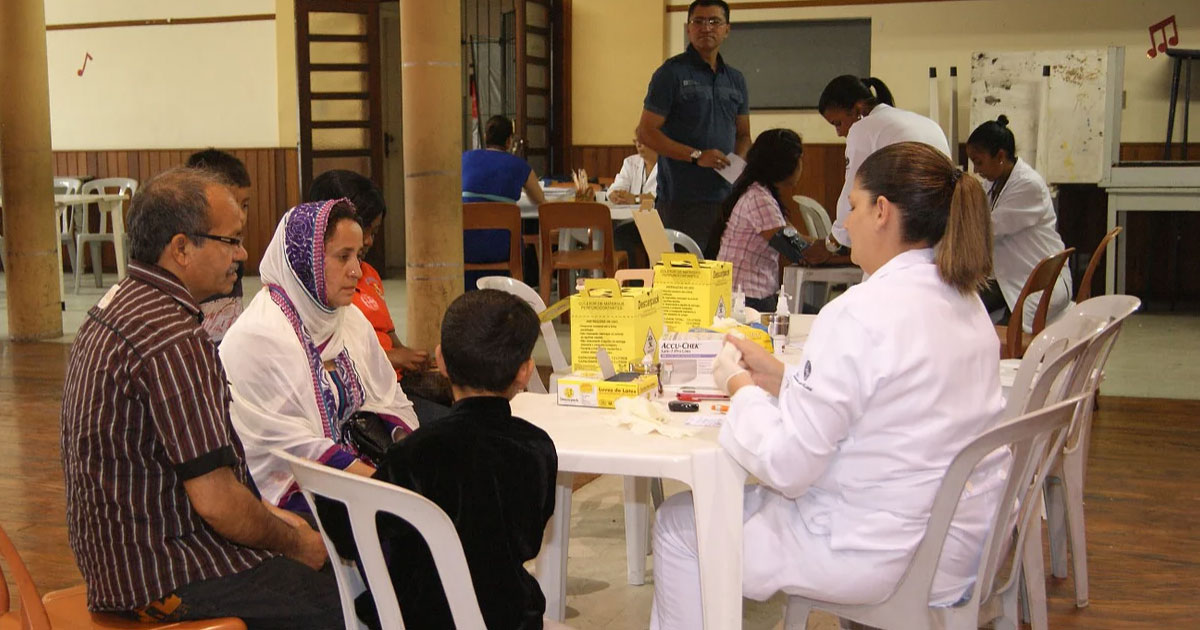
[[727, 365]]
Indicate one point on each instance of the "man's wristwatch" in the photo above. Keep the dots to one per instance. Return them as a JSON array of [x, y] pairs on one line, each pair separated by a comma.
[[696, 156]]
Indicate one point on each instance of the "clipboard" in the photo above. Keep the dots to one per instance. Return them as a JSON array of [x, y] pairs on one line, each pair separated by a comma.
[[654, 235]]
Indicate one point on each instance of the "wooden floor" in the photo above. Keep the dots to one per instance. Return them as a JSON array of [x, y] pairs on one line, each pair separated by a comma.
[[1143, 499]]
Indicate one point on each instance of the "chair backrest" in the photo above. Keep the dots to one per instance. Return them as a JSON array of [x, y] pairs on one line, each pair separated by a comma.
[[33, 613], [1109, 307], [675, 237], [117, 185], [511, 285], [564, 215], [1041, 279], [816, 219], [66, 219], [495, 215], [66, 185], [364, 499], [1034, 440], [1048, 360], [1085, 285]]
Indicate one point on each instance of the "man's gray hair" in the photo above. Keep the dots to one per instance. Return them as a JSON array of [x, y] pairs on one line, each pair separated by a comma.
[[172, 202]]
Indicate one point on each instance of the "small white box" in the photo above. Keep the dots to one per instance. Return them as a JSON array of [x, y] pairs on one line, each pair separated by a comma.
[[687, 359]]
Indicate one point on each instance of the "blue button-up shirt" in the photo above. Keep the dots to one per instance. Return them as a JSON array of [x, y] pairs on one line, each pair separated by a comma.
[[701, 109]]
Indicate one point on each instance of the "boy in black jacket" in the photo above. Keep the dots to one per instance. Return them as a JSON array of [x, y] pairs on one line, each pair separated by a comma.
[[492, 473]]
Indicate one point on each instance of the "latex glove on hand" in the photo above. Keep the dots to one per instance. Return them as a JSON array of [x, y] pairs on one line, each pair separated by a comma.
[[727, 365]]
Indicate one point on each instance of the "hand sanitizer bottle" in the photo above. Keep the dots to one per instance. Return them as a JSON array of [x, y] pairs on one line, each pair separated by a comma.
[[780, 322]]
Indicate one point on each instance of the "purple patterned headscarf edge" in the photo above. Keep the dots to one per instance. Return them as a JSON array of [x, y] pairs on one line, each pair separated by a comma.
[[305, 254]]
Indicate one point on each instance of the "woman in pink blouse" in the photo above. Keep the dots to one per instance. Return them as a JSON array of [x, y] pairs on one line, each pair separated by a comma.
[[753, 214]]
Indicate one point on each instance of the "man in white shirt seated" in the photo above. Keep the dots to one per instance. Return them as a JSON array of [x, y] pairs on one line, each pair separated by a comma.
[[638, 176]]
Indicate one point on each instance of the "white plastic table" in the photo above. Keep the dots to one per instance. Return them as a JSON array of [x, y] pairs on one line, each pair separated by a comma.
[[620, 212], [587, 444]]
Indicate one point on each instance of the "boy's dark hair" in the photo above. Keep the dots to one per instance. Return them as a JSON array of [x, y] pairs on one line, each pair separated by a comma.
[[224, 165], [709, 3], [497, 131], [486, 336], [361, 192]]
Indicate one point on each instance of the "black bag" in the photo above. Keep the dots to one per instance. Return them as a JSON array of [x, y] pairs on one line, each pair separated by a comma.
[[368, 434]]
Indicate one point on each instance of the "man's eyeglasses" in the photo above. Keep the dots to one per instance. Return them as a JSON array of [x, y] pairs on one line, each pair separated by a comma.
[[700, 22], [228, 240]]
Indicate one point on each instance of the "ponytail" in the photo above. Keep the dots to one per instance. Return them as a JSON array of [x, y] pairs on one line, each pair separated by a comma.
[[938, 205], [882, 93], [964, 256]]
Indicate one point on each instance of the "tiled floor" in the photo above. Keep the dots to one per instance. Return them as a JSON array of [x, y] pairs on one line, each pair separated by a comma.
[[1154, 358]]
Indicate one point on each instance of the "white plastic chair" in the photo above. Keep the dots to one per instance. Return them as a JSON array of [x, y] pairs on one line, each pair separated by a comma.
[[103, 232], [558, 361], [1064, 486], [816, 220], [364, 499], [68, 216], [1034, 439], [677, 238]]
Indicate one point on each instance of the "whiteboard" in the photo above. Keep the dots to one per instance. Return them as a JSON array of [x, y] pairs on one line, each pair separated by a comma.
[[1008, 83]]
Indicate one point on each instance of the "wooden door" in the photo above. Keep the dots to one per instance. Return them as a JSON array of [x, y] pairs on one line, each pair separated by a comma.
[[534, 81], [338, 72]]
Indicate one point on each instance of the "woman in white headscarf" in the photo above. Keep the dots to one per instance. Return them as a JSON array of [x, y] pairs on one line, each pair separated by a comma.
[[302, 360]]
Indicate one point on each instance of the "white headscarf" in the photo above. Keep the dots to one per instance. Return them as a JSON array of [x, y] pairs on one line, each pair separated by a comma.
[[274, 355]]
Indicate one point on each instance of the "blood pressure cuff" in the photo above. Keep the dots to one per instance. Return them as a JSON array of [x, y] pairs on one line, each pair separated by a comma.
[[788, 242]]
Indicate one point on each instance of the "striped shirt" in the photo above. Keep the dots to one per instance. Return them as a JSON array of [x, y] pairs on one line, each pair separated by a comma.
[[145, 408]]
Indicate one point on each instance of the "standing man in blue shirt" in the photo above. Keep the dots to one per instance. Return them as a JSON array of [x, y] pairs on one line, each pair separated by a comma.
[[696, 112]]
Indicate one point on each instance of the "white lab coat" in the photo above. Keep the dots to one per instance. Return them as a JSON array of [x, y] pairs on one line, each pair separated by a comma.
[[633, 170], [898, 375], [1024, 232], [885, 125]]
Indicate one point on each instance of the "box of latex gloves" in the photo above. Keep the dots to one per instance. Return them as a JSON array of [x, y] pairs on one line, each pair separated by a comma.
[[591, 389], [687, 358], [693, 291], [625, 322]]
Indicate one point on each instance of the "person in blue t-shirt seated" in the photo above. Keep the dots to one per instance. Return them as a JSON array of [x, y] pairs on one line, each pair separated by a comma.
[[494, 174]]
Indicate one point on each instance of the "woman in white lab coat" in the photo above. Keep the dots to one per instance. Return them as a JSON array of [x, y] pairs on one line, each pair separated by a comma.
[[850, 445], [638, 176], [1023, 223], [863, 112]]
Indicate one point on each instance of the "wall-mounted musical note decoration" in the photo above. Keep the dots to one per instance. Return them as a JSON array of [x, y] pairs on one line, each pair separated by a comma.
[[86, 56], [1159, 31]]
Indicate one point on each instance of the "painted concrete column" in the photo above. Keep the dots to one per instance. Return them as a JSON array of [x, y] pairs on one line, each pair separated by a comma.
[[32, 263], [430, 50]]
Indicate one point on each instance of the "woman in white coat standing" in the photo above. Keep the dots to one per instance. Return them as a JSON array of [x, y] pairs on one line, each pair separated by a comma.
[[869, 121], [1023, 223], [850, 446]]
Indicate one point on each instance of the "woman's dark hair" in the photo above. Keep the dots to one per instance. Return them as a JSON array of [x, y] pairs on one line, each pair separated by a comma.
[[846, 91], [340, 212], [772, 158], [362, 192], [486, 336], [497, 131], [938, 205], [994, 135]]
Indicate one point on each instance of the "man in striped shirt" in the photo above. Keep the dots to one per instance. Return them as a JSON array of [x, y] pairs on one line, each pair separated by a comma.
[[162, 515]]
